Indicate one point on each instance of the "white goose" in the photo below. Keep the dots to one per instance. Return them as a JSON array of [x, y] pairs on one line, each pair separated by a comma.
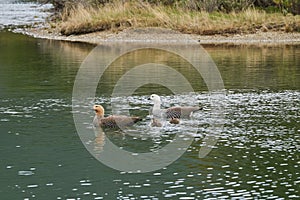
[[172, 113]]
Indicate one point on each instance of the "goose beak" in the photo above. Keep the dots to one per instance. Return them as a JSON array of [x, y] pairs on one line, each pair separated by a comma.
[[95, 108]]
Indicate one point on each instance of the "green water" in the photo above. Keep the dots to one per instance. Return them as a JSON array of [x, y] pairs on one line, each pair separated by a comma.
[[42, 156]]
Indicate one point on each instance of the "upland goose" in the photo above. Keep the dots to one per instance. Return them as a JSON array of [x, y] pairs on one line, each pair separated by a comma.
[[112, 121], [173, 113]]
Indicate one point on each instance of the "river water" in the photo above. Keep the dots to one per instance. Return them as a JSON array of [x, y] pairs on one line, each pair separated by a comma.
[[43, 155], [14, 13]]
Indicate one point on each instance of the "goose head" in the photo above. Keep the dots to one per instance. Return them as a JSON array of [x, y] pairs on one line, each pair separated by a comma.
[[155, 98], [99, 110]]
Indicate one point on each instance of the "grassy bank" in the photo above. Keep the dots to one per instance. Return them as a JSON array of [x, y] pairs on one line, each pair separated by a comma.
[[117, 16]]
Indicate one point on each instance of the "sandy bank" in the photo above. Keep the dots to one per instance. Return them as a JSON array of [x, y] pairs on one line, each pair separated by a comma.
[[166, 36]]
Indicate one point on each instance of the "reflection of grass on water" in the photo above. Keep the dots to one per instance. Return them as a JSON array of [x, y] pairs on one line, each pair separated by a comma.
[[117, 16], [134, 59]]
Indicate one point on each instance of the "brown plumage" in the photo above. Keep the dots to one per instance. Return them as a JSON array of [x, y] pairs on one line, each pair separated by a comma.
[[174, 121], [180, 112], [113, 121]]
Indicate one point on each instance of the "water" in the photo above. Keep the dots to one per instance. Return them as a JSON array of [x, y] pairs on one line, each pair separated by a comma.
[[15, 13], [42, 156]]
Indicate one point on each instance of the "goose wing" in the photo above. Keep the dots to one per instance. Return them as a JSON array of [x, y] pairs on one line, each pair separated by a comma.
[[118, 121], [181, 112], [173, 112]]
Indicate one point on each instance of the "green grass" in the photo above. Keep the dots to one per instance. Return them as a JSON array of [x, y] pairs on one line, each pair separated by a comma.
[[118, 16]]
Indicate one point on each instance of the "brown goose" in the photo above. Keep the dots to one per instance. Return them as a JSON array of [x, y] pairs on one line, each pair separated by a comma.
[[173, 113], [112, 121]]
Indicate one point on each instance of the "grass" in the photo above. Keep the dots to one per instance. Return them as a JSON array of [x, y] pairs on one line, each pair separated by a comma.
[[118, 16]]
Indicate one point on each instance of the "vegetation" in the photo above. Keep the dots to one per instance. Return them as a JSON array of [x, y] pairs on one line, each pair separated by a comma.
[[291, 6], [187, 16]]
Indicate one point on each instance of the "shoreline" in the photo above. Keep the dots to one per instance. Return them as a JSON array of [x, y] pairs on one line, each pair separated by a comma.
[[161, 35]]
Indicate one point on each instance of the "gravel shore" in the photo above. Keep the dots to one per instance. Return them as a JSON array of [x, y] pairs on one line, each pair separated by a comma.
[[168, 36]]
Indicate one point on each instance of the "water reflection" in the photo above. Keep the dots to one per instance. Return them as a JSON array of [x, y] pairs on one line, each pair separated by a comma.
[[258, 67], [257, 155]]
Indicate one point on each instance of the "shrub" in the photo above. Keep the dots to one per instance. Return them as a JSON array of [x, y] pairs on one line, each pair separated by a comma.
[[292, 6]]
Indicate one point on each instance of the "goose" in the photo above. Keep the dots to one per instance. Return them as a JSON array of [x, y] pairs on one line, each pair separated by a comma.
[[173, 113], [112, 121]]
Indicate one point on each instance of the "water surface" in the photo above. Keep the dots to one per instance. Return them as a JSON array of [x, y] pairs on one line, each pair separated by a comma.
[[42, 156], [15, 13]]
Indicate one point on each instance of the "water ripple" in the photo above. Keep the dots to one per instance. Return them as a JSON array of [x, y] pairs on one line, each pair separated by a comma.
[[257, 154]]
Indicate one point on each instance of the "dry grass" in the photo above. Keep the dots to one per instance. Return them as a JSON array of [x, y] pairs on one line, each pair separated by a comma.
[[118, 16]]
